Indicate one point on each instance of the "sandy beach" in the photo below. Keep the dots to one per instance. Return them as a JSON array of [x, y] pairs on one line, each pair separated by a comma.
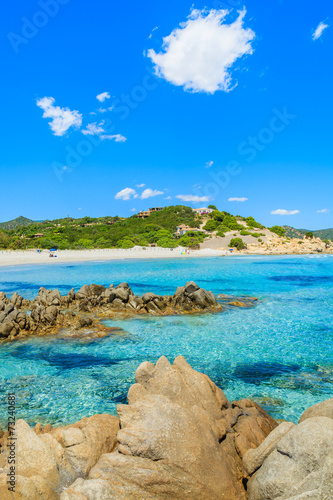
[[24, 257]]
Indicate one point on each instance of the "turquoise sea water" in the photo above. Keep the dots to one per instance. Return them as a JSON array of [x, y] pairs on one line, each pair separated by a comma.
[[278, 353]]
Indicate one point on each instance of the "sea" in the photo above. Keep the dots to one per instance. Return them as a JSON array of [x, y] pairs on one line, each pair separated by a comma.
[[278, 353]]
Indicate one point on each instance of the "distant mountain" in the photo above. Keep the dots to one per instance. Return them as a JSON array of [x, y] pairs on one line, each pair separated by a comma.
[[324, 234], [14, 224]]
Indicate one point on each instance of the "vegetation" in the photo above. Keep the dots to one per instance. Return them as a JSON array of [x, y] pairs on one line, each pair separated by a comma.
[[279, 230], [237, 243], [309, 235], [14, 224]]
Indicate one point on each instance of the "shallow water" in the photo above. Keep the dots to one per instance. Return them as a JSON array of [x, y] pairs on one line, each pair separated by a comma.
[[278, 353]]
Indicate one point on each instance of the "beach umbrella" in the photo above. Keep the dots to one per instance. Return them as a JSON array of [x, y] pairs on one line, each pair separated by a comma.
[[53, 250]]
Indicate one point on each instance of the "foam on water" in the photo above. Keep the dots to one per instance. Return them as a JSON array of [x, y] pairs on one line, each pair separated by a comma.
[[278, 353]]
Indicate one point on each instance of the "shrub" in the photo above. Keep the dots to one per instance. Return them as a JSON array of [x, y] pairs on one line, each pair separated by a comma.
[[309, 235], [237, 243], [167, 243], [211, 225], [213, 207], [251, 222], [244, 233], [220, 233], [231, 222], [280, 231]]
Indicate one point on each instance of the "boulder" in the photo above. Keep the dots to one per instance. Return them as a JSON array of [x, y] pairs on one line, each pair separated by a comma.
[[82, 293], [96, 290], [300, 465], [324, 409], [254, 458], [147, 297], [191, 287], [177, 440], [16, 300]]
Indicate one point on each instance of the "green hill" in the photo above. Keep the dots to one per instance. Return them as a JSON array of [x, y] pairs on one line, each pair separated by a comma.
[[324, 234], [14, 224]]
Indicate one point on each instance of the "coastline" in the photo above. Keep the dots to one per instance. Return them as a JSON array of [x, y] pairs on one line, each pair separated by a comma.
[[31, 257], [26, 257]]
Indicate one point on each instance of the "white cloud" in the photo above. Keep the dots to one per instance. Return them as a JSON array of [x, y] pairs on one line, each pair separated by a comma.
[[151, 34], [125, 194], [282, 211], [209, 164], [150, 193], [323, 211], [193, 198], [133, 209], [140, 185], [116, 137], [238, 199], [61, 118], [104, 95], [200, 53], [319, 30], [168, 198], [93, 129]]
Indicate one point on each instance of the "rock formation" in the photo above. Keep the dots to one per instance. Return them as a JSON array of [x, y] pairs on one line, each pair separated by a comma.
[[295, 462], [179, 437], [50, 312]]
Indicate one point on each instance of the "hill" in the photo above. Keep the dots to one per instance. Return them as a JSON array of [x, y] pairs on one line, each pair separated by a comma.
[[324, 234], [15, 223]]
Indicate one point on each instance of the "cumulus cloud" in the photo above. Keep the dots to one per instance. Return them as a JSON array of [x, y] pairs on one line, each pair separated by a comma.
[[200, 53], [125, 194], [323, 211], [115, 137], [93, 129], [140, 185], [319, 30], [238, 199], [192, 198], [209, 164], [282, 211], [61, 118], [150, 193], [104, 95]]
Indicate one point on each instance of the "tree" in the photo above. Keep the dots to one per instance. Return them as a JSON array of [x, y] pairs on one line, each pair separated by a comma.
[[280, 231], [211, 225], [237, 243], [309, 235], [212, 207]]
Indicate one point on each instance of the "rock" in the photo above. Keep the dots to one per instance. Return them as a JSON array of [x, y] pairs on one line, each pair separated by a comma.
[[203, 299], [191, 287], [324, 409], [8, 309], [2, 305], [96, 290], [46, 462], [16, 300], [71, 295], [122, 293], [254, 458], [300, 466], [91, 489], [173, 441], [5, 329], [82, 293], [237, 303], [147, 297]]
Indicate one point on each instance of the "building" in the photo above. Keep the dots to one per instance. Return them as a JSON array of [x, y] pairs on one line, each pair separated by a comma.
[[38, 235], [203, 211], [147, 213], [183, 229]]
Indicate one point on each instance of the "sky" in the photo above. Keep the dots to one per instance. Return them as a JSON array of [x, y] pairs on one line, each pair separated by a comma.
[[109, 108]]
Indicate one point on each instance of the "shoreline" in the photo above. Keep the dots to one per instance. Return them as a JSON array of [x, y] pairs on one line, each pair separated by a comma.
[[31, 257], [10, 258]]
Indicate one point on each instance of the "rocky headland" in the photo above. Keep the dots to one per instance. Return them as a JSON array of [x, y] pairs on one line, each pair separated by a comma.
[[51, 312], [177, 438]]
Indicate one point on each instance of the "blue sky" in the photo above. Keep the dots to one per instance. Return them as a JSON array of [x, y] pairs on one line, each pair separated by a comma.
[[234, 105]]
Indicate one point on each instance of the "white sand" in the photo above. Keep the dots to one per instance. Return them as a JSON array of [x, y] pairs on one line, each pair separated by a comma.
[[21, 257]]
